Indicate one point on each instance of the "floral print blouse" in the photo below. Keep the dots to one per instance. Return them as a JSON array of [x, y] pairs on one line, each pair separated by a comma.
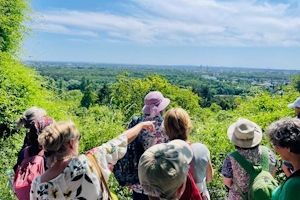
[[148, 139], [79, 179], [231, 169]]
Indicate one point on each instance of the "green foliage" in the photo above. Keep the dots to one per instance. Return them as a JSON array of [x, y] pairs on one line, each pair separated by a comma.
[[8, 150], [88, 98], [18, 90], [98, 125], [12, 15], [128, 94], [103, 95], [296, 82], [21, 88]]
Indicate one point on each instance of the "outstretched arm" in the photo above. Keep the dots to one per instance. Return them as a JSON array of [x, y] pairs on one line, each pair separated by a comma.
[[134, 131]]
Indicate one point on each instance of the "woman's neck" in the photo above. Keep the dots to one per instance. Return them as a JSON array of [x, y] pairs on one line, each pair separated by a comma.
[[296, 162], [61, 159]]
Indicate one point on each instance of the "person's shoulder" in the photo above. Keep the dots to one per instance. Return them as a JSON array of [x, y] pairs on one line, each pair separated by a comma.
[[200, 151], [199, 144], [290, 189], [270, 151]]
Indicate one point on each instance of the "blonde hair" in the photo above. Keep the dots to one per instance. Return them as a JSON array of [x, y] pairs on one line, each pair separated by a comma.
[[177, 124], [29, 115], [54, 137]]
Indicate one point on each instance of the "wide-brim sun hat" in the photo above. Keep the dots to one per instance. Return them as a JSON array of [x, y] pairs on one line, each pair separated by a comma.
[[296, 103], [244, 133], [165, 166], [154, 103]]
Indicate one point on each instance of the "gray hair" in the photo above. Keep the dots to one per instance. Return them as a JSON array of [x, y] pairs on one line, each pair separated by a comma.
[[285, 133], [29, 115]]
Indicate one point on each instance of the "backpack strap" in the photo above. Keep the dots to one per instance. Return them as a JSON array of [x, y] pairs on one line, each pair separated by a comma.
[[244, 163], [41, 153], [249, 168], [26, 152], [239, 190], [93, 161]]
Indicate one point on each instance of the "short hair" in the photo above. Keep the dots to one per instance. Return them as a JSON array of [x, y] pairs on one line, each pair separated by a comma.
[[54, 137], [285, 133], [177, 124], [29, 115]]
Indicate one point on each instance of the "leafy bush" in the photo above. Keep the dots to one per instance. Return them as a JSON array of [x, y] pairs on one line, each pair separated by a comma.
[[128, 94], [12, 29]]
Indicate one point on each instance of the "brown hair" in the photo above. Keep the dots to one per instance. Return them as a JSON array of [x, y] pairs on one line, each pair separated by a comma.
[[177, 124], [54, 137]]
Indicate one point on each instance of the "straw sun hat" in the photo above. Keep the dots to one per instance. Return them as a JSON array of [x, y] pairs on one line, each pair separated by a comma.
[[244, 133]]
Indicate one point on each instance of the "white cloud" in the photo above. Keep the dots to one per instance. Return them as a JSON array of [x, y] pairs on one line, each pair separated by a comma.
[[184, 22]]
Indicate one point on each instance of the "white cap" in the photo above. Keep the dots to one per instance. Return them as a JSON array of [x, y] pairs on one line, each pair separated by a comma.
[[295, 104]]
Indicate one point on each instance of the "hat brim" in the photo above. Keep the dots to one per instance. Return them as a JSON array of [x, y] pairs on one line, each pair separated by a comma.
[[164, 103], [291, 105], [245, 143]]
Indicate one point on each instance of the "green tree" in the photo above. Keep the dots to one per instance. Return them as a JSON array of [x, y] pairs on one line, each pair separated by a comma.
[[84, 83], [296, 82], [206, 94], [88, 97], [13, 13], [104, 95], [128, 94]]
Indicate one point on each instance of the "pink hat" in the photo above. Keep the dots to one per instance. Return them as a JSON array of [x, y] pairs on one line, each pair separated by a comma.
[[154, 103]]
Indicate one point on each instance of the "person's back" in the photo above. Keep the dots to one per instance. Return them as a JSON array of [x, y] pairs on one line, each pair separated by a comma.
[[199, 167], [32, 166], [191, 191], [178, 126], [31, 160], [246, 136], [67, 181], [73, 176], [27, 120], [154, 108], [232, 169]]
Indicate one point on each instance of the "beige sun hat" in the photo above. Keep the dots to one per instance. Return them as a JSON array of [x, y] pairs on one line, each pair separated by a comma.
[[244, 133], [296, 103], [165, 166]]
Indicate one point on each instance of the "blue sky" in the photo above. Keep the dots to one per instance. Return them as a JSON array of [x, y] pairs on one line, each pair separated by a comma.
[[232, 33]]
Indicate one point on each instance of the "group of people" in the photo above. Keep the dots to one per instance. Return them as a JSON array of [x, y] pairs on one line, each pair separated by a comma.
[[171, 167], [284, 136]]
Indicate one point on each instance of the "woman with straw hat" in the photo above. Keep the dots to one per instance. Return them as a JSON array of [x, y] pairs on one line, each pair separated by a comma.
[[246, 137]]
